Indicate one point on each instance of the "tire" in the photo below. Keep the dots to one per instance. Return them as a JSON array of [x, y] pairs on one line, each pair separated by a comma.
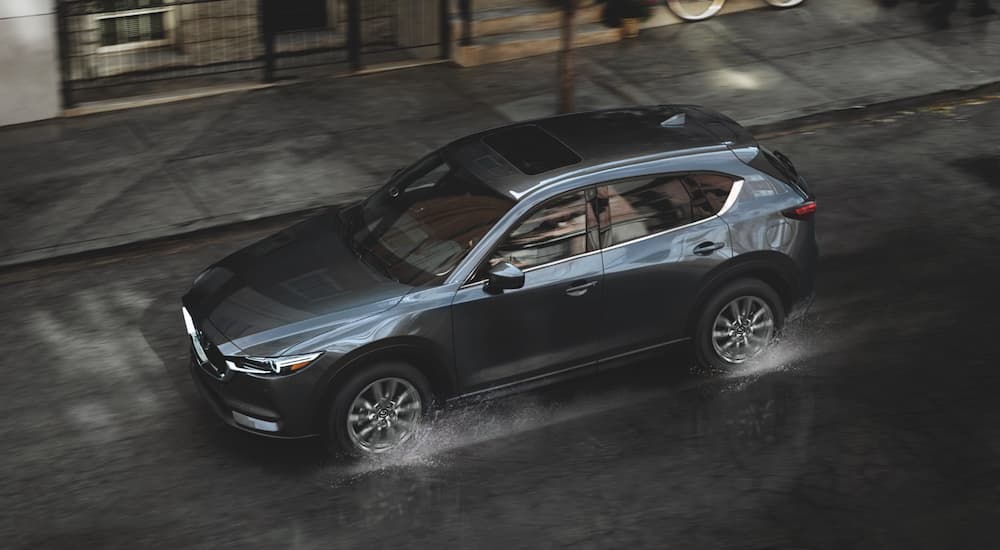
[[717, 352], [784, 3], [695, 10], [399, 415]]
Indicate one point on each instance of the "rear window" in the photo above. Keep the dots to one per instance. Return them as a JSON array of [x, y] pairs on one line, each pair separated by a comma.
[[765, 162], [531, 149]]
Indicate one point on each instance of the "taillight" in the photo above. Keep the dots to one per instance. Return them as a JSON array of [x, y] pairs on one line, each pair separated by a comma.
[[803, 211]]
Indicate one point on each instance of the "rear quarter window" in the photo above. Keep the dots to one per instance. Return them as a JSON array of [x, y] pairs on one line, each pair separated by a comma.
[[760, 187], [715, 189]]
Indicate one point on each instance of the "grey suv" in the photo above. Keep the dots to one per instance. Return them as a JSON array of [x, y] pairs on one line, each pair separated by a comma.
[[519, 255]]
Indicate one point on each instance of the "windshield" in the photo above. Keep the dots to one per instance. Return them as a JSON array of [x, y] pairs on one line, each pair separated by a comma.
[[422, 223]]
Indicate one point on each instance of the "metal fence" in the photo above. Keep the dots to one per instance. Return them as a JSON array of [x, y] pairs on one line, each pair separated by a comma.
[[114, 48]]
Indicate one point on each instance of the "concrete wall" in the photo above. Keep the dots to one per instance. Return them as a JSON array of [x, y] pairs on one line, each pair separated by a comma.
[[29, 61]]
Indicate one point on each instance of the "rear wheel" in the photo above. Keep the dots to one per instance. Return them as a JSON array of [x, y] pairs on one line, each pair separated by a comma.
[[737, 324], [377, 410]]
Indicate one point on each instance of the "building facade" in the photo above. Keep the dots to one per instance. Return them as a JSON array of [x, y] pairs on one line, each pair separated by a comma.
[[29, 61], [57, 54]]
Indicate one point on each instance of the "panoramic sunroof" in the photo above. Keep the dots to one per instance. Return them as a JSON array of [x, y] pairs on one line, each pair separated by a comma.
[[531, 149]]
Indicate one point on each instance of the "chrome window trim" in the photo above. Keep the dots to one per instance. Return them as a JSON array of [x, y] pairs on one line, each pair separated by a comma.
[[660, 233], [539, 266], [734, 193], [730, 201]]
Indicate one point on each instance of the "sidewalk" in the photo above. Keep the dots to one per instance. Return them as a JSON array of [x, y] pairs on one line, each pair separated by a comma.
[[80, 184]]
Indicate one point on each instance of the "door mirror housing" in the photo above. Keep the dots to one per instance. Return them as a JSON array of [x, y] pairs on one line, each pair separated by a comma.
[[504, 276]]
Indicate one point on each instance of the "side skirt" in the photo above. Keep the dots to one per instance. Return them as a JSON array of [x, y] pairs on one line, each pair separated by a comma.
[[542, 380]]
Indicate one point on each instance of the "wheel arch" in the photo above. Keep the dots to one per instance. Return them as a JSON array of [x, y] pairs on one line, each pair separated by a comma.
[[418, 352], [773, 268]]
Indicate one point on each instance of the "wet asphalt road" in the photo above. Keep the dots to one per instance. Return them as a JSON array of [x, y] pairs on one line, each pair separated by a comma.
[[874, 424]]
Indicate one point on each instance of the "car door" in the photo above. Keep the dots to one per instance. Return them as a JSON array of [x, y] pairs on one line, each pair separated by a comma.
[[660, 236], [553, 321]]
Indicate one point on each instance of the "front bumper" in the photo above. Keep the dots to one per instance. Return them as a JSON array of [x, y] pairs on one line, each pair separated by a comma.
[[272, 407]]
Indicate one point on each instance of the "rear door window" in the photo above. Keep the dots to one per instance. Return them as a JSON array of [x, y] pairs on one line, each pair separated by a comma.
[[643, 206]]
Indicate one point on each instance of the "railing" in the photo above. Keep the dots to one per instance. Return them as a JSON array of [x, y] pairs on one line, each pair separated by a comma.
[[465, 11], [112, 48]]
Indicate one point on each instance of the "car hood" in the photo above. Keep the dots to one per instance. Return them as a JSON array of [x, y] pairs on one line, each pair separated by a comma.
[[290, 287]]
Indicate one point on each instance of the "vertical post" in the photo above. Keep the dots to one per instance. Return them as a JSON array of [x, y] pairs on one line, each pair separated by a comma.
[[445, 22], [354, 34], [267, 15], [65, 68], [566, 75], [465, 7]]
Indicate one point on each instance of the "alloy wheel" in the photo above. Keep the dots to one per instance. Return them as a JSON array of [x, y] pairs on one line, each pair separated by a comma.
[[742, 329], [384, 415]]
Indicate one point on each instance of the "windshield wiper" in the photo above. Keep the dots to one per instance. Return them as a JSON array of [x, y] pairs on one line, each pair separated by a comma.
[[378, 263]]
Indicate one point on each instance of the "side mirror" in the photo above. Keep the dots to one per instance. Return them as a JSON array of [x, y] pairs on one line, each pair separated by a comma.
[[504, 276]]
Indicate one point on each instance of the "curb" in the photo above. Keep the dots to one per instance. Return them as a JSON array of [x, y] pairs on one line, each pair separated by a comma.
[[135, 102], [858, 113], [795, 124]]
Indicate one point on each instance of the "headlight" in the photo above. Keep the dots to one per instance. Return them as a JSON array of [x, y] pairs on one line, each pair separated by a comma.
[[188, 322], [272, 365]]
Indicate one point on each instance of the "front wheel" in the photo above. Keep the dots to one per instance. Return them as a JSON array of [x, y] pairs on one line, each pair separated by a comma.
[[737, 324], [784, 3], [695, 10], [377, 410]]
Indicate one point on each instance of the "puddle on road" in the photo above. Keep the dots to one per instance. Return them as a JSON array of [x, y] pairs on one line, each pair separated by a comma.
[[800, 341], [492, 420], [488, 421]]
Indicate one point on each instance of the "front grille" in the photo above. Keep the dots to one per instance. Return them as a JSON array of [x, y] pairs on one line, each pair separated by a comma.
[[216, 364]]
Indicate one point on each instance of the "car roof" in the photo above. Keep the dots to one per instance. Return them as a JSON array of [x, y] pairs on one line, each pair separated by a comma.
[[577, 141]]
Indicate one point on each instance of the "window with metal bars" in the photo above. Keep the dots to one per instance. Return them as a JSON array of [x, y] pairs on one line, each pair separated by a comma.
[[132, 21]]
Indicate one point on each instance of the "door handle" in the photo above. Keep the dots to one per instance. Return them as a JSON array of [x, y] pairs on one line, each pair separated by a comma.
[[579, 289], [706, 248]]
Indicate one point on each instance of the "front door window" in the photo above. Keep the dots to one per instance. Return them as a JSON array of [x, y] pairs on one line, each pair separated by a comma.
[[561, 228]]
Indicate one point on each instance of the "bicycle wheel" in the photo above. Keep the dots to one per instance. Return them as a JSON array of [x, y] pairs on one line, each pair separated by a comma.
[[784, 3], [695, 10]]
